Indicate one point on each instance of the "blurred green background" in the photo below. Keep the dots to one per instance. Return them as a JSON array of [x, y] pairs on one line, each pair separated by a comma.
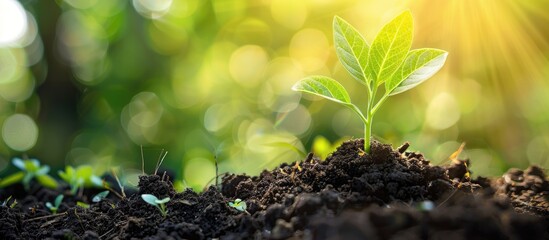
[[90, 81]]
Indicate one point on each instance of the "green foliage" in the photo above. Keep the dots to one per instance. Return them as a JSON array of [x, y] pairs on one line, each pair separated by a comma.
[[82, 176], [239, 205], [30, 168], [56, 204], [388, 61], [160, 204]]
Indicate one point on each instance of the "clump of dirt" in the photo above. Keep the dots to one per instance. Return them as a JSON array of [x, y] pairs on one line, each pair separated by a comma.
[[381, 177], [528, 191], [351, 195]]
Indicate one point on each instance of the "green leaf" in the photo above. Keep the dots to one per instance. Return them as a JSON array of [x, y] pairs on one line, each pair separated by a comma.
[[351, 48], [420, 64], [82, 205], [12, 179], [325, 87], [19, 163], [68, 175], [165, 200], [389, 48], [47, 181], [238, 204], [43, 170], [100, 196], [150, 199], [58, 200]]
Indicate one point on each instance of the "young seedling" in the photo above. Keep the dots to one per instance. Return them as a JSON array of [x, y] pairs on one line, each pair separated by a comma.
[[6, 202], [56, 204], [80, 177], [388, 62], [160, 204], [239, 205], [30, 168]]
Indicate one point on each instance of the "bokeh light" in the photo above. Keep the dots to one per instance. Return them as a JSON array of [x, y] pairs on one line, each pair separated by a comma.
[[13, 22], [19, 132]]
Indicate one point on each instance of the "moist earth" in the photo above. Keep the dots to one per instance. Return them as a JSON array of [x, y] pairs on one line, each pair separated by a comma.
[[388, 194]]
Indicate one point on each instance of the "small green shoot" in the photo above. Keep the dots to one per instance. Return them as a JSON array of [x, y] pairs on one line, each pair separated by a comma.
[[239, 205], [100, 196], [388, 61], [30, 168], [56, 204], [160, 204], [82, 205], [80, 177], [6, 202]]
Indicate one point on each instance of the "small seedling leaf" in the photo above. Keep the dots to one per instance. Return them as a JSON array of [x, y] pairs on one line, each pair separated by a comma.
[[419, 65], [238, 204], [12, 179], [390, 47], [32, 165], [324, 87], [150, 199], [82, 204], [165, 200], [67, 175], [351, 48], [100, 196], [43, 170], [19, 163], [47, 181], [58, 200], [49, 205]]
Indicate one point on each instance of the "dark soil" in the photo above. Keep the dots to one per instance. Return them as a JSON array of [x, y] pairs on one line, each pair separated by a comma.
[[388, 194]]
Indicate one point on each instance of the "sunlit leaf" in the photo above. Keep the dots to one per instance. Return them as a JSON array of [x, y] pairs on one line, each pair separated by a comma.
[[351, 48], [390, 47], [324, 87], [420, 64]]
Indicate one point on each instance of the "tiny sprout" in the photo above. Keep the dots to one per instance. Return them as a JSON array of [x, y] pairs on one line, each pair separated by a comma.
[[82, 205], [100, 196], [239, 205], [79, 177], [55, 206], [30, 168], [12, 205], [160, 204]]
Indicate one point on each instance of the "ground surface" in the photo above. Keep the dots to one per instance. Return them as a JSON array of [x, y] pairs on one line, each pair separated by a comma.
[[388, 194]]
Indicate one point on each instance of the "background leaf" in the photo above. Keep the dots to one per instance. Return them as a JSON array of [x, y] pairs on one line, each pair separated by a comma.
[[351, 48], [420, 65], [390, 47], [325, 87]]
